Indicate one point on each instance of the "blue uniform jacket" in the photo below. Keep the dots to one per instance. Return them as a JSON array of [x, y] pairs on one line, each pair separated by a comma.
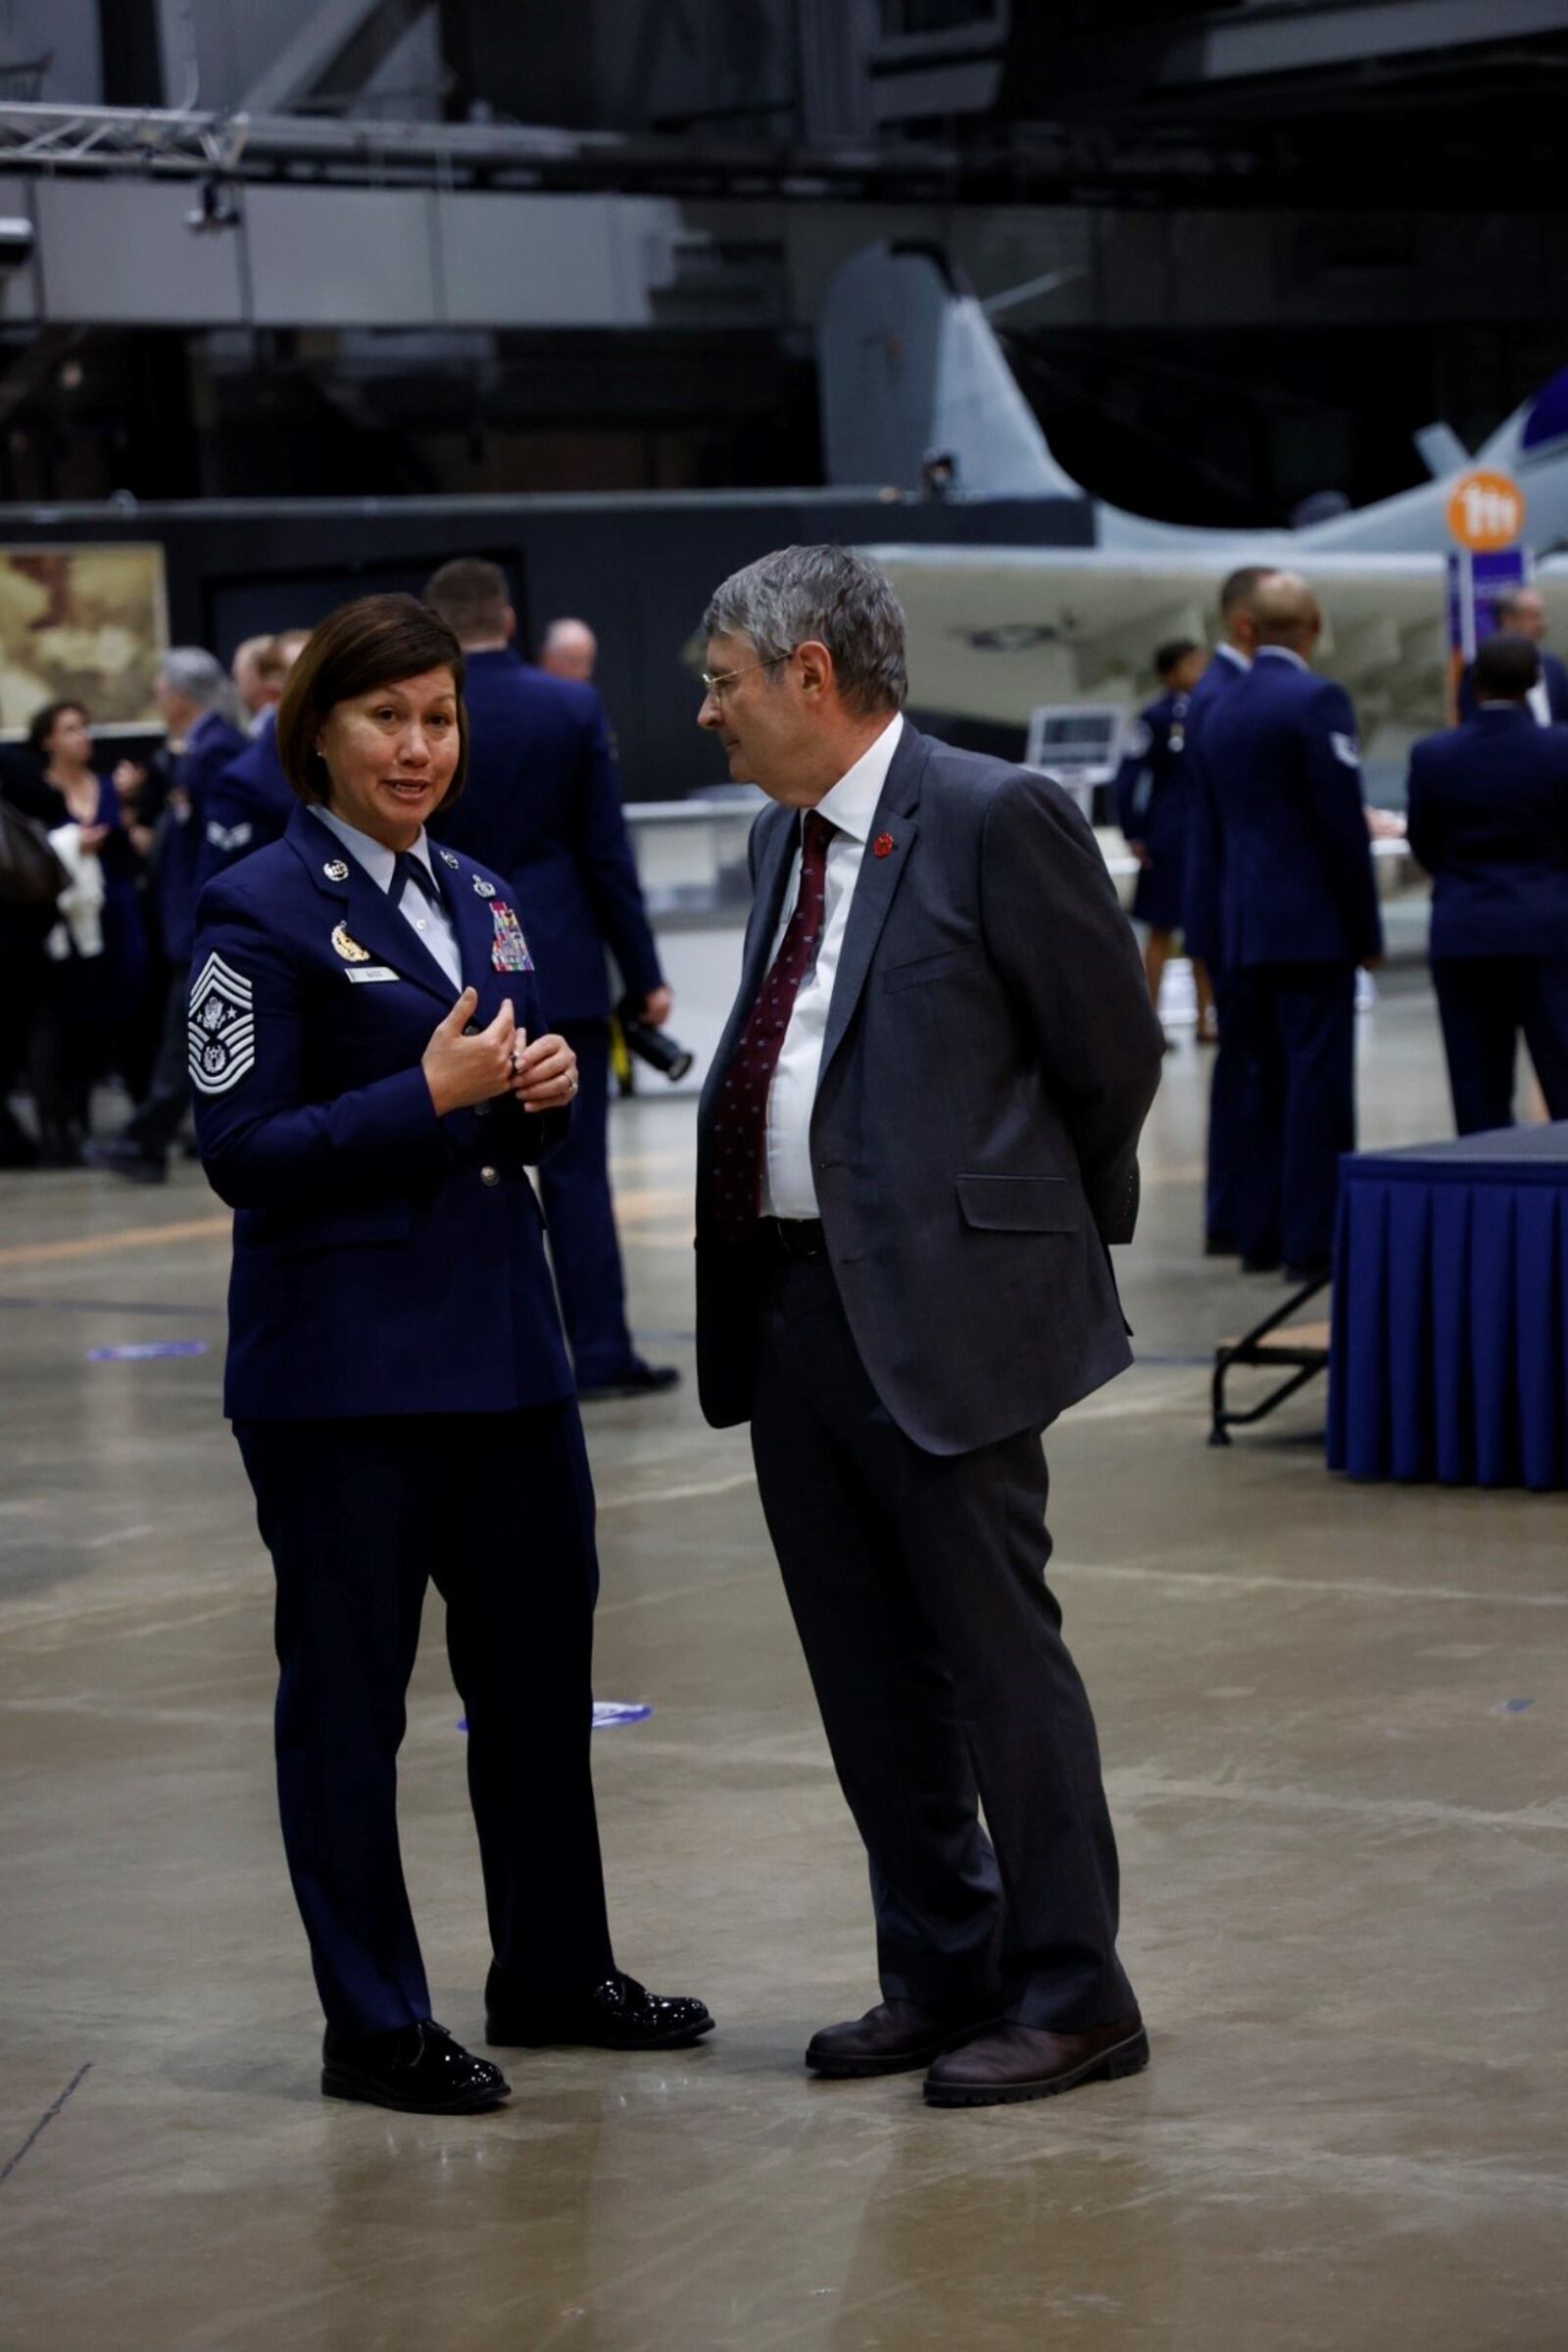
[[1282, 770], [1201, 891], [542, 806], [386, 1260], [246, 806], [1153, 801], [1488, 807], [177, 845], [1553, 677]]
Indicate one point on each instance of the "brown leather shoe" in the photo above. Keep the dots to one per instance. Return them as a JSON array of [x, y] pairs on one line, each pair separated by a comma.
[[893, 2039], [1016, 2062]]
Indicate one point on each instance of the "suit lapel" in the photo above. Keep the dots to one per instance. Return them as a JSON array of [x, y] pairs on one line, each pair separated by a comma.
[[876, 885]]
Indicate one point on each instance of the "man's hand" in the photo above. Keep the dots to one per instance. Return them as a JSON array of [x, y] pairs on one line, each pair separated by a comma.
[[547, 1075], [657, 1007], [461, 1071]]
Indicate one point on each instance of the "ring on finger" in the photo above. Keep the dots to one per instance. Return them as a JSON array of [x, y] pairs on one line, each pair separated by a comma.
[[513, 1058]]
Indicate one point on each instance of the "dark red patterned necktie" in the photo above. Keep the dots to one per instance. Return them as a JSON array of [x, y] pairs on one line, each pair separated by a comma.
[[740, 1123]]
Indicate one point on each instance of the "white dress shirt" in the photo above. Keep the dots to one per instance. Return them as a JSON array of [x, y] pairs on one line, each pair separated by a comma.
[[789, 1187], [427, 917]]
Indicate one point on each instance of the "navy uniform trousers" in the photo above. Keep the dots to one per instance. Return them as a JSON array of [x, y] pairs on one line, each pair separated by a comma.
[[1485, 1002], [497, 1508], [918, 1586], [1293, 1029], [584, 1249]]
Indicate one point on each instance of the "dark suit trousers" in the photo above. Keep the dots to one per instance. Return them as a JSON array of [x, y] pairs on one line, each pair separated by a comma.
[[496, 1510], [917, 1584], [574, 1182], [158, 1118], [1293, 1028], [1485, 1002]]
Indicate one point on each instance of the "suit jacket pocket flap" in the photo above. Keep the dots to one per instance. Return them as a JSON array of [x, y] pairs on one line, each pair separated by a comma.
[[927, 967], [1020, 1204]]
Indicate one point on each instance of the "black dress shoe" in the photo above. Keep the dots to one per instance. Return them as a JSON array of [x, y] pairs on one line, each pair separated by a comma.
[[124, 1157], [1221, 1244], [893, 2039], [638, 1380], [418, 2069], [618, 2015], [1013, 2063], [1258, 1262]]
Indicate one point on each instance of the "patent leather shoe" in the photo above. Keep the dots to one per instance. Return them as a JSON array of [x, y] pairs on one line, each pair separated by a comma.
[[893, 2039], [637, 1379], [1011, 2062], [618, 2014], [418, 2069]]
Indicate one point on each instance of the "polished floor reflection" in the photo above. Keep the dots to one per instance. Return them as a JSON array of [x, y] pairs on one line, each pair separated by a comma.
[[1332, 1720]]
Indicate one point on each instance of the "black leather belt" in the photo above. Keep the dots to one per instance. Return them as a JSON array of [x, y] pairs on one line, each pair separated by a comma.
[[792, 1236]]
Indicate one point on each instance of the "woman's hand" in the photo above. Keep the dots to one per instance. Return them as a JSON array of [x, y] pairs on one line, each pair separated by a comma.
[[547, 1075], [461, 1071], [91, 838]]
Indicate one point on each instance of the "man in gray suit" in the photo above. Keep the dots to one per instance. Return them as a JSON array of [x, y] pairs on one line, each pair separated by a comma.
[[917, 1138]]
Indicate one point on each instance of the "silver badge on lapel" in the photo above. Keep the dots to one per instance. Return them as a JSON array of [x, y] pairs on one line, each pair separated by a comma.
[[447, 859], [336, 870], [482, 888]]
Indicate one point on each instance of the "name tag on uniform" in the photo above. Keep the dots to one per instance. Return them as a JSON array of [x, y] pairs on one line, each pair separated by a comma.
[[371, 971]]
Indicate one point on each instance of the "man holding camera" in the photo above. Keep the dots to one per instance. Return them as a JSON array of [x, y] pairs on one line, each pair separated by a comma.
[[542, 806]]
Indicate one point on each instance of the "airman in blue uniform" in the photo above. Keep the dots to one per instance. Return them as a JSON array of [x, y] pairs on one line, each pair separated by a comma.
[[1152, 806], [1487, 811], [374, 1081], [1521, 613], [543, 807], [247, 804], [1232, 660], [1297, 911]]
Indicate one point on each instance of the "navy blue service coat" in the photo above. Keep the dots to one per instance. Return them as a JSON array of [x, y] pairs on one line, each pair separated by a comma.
[[1153, 804], [246, 806], [1281, 764], [386, 1260], [1489, 821], [542, 805], [177, 844], [1487, 807]]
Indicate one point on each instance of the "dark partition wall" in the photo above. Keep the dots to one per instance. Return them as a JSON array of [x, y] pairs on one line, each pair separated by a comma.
[[639, 571]]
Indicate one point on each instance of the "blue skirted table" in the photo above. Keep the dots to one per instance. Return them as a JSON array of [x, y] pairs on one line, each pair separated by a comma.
[[1449, 1350]]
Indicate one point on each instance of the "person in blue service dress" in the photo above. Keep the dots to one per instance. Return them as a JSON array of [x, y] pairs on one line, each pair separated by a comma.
[[1298, 912], [249, 803], [373, 1079], [1488, 811], [1231, 663], [1153, 809]]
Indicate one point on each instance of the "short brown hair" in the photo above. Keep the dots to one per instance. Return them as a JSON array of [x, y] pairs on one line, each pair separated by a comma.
[[376, 641], [470, 595]]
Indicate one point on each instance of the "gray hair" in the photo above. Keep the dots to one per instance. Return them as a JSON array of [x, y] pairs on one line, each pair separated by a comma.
[[194, 672], [827, 594]]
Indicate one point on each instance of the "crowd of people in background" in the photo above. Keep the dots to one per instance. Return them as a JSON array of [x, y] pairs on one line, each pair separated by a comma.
[[1238, 794]]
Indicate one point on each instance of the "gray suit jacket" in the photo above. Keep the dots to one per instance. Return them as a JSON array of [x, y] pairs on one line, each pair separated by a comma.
[[990, 1056]]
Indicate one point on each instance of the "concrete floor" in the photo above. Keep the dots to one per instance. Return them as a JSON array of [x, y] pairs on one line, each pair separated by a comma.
[[1333, 1719]]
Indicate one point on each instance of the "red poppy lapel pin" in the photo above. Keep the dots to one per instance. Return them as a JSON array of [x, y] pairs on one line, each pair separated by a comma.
[[883, 846]]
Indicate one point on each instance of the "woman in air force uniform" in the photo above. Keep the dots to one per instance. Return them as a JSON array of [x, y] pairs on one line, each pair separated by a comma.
[[372, 1079]]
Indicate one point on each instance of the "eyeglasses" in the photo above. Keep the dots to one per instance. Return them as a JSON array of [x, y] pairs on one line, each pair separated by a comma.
[[717, 682]]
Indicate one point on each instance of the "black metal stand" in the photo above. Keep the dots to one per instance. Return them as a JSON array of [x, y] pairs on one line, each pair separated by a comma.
[[1270, 1346]]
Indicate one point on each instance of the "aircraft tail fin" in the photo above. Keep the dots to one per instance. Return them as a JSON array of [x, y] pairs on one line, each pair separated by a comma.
[[1441, 451], [909, 368]]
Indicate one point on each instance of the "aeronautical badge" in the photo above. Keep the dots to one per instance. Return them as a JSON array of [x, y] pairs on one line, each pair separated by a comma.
[[483, 889], [336, 870], [508, 951], [222, 1030], [447, 858], [1347, 750], [349, 949]]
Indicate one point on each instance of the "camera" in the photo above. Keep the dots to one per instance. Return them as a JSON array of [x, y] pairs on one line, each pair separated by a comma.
[[660, 1050]]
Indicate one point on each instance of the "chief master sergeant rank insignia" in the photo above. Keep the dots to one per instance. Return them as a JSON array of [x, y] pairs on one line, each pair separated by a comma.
[[222, 1030]]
